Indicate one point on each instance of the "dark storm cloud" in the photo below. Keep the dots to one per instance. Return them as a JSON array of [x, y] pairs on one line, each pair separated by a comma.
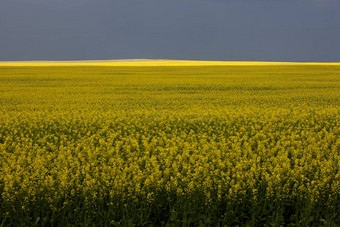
[[286, 30]]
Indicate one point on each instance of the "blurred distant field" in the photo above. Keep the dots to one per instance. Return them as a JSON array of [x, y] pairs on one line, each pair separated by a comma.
[[192, 145]]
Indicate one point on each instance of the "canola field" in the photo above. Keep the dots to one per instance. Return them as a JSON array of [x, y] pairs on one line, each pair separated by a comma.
[[228, 145]]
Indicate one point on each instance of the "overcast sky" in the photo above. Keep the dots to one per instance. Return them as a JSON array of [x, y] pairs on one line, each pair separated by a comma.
[[262, 30]]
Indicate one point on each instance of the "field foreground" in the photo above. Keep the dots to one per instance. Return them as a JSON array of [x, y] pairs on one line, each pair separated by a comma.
[[190, 145]]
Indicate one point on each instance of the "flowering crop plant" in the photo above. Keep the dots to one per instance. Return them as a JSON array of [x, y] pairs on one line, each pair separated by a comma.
[[255, 145]]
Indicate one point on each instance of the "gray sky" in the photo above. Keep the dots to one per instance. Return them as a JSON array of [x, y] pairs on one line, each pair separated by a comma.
[[263, 30]]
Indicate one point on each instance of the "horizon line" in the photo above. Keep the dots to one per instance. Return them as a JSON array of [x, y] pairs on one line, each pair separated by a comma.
[[153, 62]]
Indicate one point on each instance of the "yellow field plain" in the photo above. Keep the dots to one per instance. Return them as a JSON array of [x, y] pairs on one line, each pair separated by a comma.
[[224, 145]]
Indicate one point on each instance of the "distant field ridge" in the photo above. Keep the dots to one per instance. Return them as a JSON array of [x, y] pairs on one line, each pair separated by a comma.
[[155, 62]]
